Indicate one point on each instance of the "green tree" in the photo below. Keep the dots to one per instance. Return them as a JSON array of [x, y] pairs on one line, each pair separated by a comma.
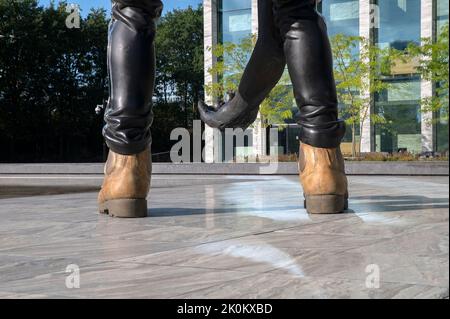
[[279, 104], [358, 69], [433, 56], [51, 78], [179, 72], [232, 59]]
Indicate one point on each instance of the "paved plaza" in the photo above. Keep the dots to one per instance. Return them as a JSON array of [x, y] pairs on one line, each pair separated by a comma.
[[225, 237]]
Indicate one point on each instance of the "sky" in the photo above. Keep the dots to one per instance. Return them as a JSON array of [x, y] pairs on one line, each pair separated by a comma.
[[169, 5]]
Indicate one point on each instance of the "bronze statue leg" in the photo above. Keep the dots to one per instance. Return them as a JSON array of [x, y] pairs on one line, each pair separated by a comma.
[[131, 65], [310, 63]]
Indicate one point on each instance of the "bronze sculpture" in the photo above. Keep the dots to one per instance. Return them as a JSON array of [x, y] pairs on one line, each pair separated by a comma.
[[131, 65], [290, 32]]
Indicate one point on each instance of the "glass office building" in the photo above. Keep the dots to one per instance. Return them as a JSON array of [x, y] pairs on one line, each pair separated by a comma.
[[388, 23], [441, 126], [399, 24]]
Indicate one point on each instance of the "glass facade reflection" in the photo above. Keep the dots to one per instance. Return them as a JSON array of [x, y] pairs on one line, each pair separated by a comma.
[[441, 14], [441, 126], [401, 108], [342, 16], [399, 25], [235, 20]]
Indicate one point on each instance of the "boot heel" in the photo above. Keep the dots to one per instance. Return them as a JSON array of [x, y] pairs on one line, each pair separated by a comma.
[[326, 204], [125, 208]]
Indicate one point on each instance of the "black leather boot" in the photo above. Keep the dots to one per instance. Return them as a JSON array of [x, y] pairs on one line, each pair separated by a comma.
[[310, 63], [131, 65], [262, 73]]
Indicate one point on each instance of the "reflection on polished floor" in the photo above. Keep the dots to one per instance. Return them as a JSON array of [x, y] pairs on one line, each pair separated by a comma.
[[225, 237]]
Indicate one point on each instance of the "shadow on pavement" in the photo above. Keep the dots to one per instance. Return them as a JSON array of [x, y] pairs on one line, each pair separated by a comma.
[[27, 191], [383, 203]]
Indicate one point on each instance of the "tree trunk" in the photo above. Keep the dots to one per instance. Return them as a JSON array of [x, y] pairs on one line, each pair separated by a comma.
[[186, 109], [353, 140], [361, 129]]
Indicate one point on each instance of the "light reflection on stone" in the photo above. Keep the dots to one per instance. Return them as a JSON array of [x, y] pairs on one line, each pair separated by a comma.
[[260, 253], [256, 202]]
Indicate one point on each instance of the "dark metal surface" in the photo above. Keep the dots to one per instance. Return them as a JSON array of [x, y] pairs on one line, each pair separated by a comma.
[[131, 66]]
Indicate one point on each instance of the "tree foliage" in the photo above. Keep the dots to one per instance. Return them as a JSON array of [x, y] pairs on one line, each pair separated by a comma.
[[433, 56], [179, 74], [179, 46], [359, 67], [51, 78]]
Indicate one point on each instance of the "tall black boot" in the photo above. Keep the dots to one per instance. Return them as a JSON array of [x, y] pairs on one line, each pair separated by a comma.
[[309, 59], [262, 73], [310, 63], [131, 66]]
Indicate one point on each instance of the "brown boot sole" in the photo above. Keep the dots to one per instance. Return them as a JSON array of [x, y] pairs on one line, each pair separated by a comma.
[[326, 204], [124, 208]]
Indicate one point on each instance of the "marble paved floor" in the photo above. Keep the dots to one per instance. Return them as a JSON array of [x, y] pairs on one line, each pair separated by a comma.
[[225, 237]]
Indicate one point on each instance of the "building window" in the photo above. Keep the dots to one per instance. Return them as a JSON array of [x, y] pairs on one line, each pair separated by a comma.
[[441, 14], [399, 23], [342, 16], [235, 20], [235, 24], [400, 106], [441, 117]]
